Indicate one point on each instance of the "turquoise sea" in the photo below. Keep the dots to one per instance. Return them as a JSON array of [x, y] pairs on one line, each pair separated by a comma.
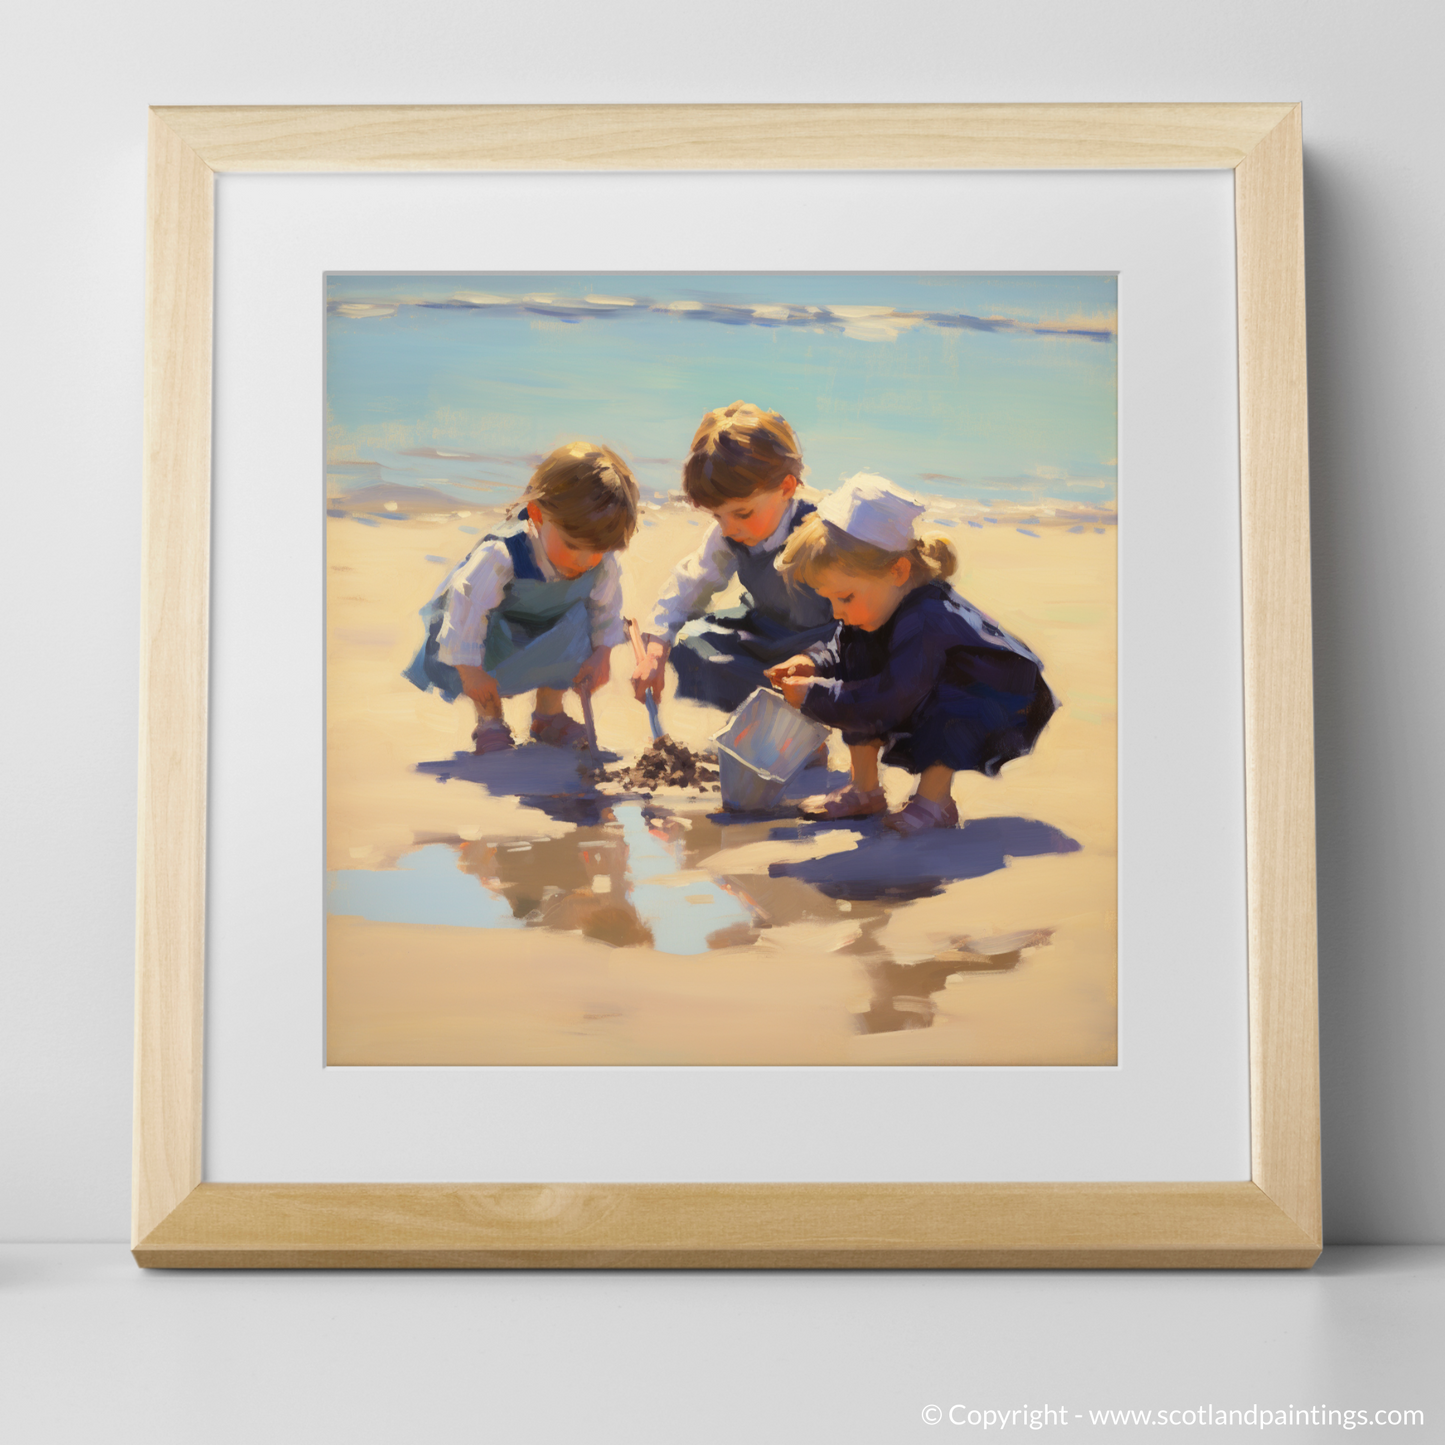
[[999, 388]]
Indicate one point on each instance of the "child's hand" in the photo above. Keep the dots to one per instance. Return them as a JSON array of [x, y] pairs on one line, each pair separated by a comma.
[[479, 685], [594, 672], [651, 671], [793, 691], [795, 667]]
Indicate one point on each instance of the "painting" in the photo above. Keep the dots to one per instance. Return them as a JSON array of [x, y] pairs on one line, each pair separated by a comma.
[[721, 669]]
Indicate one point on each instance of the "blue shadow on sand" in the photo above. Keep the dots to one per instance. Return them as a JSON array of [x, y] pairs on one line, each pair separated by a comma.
[[549, 779], [884, 866]]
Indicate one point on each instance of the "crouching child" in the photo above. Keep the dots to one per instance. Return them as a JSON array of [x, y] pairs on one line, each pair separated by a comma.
[[743, 468], [537, 604], [913, 675]]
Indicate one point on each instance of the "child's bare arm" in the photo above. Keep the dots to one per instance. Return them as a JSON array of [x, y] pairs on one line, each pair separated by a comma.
[[794, 690], [594, 672], [481, 687]]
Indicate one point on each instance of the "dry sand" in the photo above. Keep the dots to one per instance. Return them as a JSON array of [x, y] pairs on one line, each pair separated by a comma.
[[1014, 966]]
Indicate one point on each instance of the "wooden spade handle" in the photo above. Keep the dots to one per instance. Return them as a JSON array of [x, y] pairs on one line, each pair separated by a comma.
[[634, 633], [590, 723], [654, 718]]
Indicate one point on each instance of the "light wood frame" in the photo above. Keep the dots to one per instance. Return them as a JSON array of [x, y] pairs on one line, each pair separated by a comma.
[[1273, 1220]]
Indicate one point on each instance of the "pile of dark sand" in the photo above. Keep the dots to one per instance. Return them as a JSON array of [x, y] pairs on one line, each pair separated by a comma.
[[665, 764]]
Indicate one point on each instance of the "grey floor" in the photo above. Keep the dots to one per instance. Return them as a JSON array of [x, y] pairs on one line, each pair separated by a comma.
[[93, 1349]]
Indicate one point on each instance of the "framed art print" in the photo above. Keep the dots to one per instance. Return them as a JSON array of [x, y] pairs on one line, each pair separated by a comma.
[[697, 889]]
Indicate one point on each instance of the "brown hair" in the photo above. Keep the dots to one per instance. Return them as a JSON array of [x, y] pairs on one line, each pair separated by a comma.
[[587, 490], [816, 545], [738, 450]]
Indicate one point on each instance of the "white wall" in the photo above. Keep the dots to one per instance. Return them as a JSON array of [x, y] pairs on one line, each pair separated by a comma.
[[78, 79]]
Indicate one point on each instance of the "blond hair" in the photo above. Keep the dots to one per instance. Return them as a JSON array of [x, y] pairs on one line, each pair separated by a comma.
[[587, 490], [738, 450], [816, 545]]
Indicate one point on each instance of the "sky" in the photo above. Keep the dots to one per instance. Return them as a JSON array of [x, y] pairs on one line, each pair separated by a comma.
[[988, 388]]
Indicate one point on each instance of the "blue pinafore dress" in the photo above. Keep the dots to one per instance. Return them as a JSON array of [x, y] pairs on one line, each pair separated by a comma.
[[538, 635]]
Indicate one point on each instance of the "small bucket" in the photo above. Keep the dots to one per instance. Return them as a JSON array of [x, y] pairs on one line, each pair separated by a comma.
[[764, 744]]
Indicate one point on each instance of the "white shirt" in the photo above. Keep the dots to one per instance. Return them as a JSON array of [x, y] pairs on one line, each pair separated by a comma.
[[475, 589], [697, 579]]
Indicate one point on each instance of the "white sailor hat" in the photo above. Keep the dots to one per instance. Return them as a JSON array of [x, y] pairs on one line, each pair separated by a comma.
[[873, 510]]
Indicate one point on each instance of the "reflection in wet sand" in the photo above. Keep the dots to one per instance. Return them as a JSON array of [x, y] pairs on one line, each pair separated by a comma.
[[424, 887], [575, 883], [625, 881], [903, 993], [685, 879]]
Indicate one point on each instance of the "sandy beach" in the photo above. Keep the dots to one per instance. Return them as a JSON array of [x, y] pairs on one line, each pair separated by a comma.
[[587, 927]]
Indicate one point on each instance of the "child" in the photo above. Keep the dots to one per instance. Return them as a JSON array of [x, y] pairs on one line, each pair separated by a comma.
[[912, 668], [744, 469], [538, 602]]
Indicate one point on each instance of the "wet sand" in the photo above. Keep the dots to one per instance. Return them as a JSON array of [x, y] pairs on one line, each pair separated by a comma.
[[589, 926]]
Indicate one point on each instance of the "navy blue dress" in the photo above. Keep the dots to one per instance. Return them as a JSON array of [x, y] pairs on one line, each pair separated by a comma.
[[939, 682]]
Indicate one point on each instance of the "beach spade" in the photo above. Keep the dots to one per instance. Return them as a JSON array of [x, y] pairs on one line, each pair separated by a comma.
[[654, 718], [590, 723], [664, 763]]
